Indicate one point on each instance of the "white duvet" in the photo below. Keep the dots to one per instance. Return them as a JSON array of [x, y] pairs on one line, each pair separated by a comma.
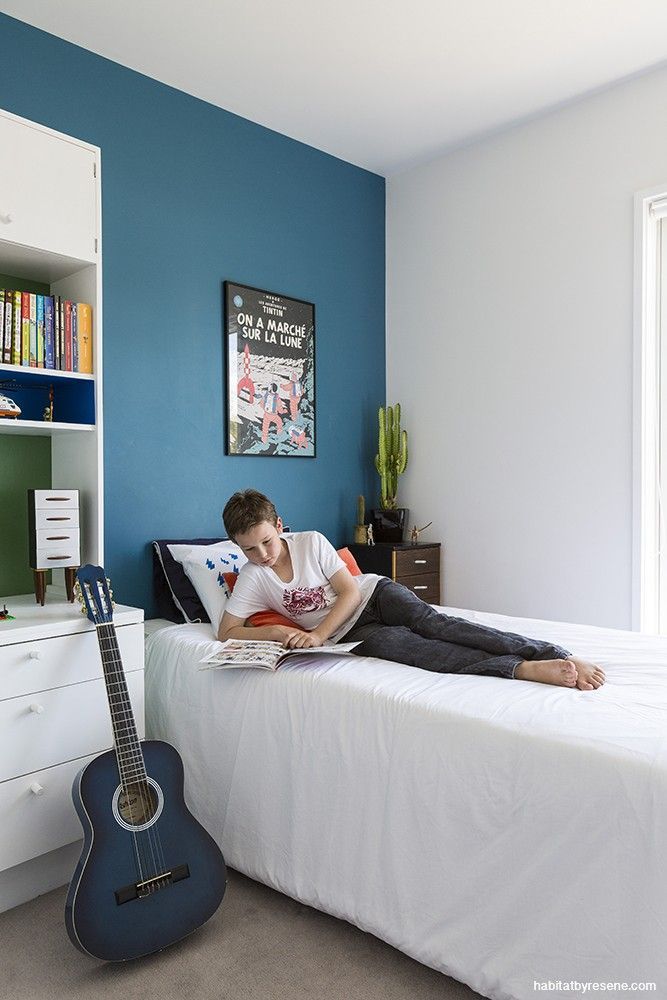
[[505, 832]]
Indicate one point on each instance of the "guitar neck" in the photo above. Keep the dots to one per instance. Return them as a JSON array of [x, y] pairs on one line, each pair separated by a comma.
[[126, 740]]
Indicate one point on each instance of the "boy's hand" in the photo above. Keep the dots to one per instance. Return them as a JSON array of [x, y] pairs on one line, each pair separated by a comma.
[[295, 638], [308, 640]]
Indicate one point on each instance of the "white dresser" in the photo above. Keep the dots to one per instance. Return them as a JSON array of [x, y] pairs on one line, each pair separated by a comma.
[[54, 718]]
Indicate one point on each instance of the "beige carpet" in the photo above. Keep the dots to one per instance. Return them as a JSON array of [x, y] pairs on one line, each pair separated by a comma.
[[260, 945]]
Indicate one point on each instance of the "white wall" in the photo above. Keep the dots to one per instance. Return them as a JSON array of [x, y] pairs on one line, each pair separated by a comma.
[[510, 340]]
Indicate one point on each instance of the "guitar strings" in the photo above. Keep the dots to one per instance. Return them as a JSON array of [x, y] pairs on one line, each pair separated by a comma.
[[127, 761], [139, 781], [98, 621]]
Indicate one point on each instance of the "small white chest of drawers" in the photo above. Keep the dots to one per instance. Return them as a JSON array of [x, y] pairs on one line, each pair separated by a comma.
[[54, 718]]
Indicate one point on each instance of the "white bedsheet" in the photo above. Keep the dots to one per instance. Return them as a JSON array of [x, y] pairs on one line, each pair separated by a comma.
[[504, 832]]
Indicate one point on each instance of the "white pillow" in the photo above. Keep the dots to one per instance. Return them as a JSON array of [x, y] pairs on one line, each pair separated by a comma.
[[205, 566]]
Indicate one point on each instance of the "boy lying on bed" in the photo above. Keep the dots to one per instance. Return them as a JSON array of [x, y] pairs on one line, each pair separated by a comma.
[[302, 576]]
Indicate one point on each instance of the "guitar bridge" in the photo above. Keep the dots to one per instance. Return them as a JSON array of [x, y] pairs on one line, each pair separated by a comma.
[[139, 890]]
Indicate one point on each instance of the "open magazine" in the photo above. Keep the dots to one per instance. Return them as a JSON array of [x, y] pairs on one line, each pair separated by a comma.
[[264, 655]]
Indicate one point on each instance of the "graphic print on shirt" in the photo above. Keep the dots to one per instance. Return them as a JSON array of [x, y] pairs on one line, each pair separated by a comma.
[[303, 599]]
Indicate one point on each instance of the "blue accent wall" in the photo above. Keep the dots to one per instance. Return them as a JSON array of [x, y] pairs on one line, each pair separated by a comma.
[[194, 195]]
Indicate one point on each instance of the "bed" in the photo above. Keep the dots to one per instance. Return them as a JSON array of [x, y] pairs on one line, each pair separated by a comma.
[[509, 834]]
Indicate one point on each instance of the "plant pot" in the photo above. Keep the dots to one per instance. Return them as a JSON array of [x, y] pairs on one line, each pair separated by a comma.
[[389, 525]]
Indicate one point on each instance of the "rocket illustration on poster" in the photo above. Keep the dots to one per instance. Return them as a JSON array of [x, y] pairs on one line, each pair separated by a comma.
[[270, 351]]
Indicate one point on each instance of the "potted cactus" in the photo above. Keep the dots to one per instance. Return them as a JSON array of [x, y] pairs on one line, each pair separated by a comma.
[[389, 520], [360, 526]]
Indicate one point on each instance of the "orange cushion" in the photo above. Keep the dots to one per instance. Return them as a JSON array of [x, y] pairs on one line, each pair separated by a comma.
[[349, 561], [270, 618]]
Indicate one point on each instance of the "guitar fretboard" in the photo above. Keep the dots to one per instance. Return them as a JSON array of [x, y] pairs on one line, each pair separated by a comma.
[[126, 740]]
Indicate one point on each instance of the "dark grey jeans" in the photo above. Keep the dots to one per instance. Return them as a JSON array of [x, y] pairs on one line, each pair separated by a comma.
[[397, 625]]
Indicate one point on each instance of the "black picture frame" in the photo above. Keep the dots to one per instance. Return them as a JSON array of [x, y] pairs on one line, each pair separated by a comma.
[[269, 348]]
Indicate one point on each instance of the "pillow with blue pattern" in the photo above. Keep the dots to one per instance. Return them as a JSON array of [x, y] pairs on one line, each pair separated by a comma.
[[205, 566]]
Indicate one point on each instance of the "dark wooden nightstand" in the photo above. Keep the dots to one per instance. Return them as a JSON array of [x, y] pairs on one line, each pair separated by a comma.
[[415, 566]]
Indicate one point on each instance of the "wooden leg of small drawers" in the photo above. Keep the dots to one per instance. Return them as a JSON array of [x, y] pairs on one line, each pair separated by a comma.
[[40, 585]]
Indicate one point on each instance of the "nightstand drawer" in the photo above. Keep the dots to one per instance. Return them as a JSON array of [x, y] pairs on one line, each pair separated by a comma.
[[65, 659], [427, 587], [38, 814], [415, 562], [50, 727]]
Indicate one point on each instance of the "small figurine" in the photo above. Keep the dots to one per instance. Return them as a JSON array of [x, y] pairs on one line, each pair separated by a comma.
[[369, 535], [48, 409], [414, 534], [5, 615]]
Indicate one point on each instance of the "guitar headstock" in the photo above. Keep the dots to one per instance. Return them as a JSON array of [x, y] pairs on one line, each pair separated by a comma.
[[95, 595]]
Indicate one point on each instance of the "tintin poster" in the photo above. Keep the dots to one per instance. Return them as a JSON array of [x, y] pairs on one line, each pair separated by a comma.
[[270, 373]]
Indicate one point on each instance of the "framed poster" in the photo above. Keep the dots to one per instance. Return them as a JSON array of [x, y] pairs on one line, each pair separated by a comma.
[[270, 351]]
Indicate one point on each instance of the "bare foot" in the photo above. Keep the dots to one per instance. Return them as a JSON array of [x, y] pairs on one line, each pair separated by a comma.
[[560, 672], [589, 675]]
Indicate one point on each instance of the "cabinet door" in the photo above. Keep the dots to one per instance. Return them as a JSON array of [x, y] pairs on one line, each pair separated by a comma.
[[47, 191]]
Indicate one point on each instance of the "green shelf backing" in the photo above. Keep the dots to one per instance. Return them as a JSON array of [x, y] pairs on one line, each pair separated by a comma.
[[25, 463]]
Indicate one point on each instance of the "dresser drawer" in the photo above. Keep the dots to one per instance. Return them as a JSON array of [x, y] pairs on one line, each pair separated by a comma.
[[57, 536], [50, 499], [26, 667], [65, 555], [47, 728], [427, 587], [51, 518], [40, 818], [415, 562]]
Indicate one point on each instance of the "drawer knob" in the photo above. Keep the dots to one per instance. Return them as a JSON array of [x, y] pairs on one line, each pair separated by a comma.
[[36, 708], [36, 788], [35, 654], [420, 586]]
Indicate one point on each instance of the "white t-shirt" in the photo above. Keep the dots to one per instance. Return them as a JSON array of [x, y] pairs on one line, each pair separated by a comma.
[[308, 597]]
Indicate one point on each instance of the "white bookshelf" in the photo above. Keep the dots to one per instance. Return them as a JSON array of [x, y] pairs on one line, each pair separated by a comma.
[[50, 232]]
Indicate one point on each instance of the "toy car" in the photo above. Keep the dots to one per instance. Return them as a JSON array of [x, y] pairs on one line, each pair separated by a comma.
[[8, 408]]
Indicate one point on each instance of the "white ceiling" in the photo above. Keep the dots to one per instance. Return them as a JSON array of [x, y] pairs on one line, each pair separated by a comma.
[[382, 83]]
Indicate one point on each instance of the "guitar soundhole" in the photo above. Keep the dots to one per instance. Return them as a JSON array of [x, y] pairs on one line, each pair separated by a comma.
[[138, 803]]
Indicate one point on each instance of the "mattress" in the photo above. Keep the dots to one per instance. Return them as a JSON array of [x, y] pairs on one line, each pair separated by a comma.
[[504, 832]]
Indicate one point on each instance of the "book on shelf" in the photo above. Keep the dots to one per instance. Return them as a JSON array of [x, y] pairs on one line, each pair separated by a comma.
[[45, 331], [264, 655], [40, 331], [48, 332], [16, 336], [75, 337], [85, 335], [9, 327], [67, 309], [2, 325], [25, 329], [60, 340], [33, 329]]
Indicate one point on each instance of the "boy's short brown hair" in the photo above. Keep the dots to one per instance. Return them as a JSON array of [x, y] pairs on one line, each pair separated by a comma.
[[246, 509]]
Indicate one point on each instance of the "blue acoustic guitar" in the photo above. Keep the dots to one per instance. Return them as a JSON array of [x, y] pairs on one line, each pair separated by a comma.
[[149, 873]]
